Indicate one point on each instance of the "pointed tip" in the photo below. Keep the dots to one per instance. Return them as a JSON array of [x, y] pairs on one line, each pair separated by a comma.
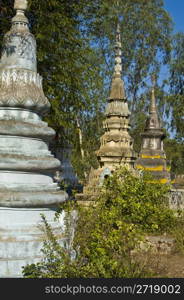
[[153, 79], [118, 35], [153, 121], [118, 60], [117, 90], [153, 100], [118, 28]]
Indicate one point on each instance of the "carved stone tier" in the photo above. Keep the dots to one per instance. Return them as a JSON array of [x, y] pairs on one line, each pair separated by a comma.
[[116, 107], [26, 164], [22, 88], [154, 161], [116, 143], [23, 122]]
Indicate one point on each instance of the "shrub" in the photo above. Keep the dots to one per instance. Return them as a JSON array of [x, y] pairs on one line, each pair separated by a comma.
[[127, 208]]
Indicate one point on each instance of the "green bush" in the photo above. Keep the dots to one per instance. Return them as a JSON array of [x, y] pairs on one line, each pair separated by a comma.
[[127, 208]]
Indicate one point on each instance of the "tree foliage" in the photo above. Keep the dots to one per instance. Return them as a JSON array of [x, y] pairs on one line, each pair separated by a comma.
[[75, 42], [108, 231], [175, 154], [176, 96]]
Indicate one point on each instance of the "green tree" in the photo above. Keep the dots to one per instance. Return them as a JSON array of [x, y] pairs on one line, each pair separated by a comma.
[[114, 225], [175, 154], [176, 97], [75, 43]]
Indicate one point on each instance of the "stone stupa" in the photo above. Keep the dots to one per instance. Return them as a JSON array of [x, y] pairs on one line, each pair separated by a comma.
[[116, 143], [116, 147], [26, 165], [152, 156]]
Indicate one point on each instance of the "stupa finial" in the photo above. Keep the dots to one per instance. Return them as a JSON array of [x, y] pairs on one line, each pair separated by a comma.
[[153, 119], [153, 100], [118, 53], [20, 19], [20, 4], [117, 90]]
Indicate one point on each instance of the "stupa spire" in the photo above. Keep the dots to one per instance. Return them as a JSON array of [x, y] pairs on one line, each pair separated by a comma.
[[152, 156], [19, 20], [117, 90], [118, 53], [116, 143], [153, 100], [153, 121]]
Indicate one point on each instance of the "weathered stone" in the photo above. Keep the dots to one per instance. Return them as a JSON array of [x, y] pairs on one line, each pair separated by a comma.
[[116, 144], [176, 198], [158, 245], [26, 164], [21, 237], [178, 181], [116, 147], [152, 156], [20, 85]]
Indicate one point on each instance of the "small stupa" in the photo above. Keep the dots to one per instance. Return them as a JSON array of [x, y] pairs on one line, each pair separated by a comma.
[[116, 147], [27, 166], [116, 143], [152, 156]]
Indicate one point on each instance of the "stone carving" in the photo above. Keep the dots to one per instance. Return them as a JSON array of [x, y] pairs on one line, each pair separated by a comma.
[[19, 48], [26, 48], [21, 44], [9, 76], [117, 108], [22, 88], [20, 84]]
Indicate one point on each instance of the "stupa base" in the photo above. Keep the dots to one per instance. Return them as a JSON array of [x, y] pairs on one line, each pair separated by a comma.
[[22, 236]]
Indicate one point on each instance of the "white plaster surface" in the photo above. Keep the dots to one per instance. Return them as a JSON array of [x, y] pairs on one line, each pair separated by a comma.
[[21, 237], [22, 178]]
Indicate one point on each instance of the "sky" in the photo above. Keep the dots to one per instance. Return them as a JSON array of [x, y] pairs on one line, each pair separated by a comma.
[[176, 11]]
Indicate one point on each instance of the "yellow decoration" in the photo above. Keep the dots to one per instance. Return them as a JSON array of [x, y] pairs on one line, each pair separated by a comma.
[[151, 156], [164, 180], [158, 168]]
